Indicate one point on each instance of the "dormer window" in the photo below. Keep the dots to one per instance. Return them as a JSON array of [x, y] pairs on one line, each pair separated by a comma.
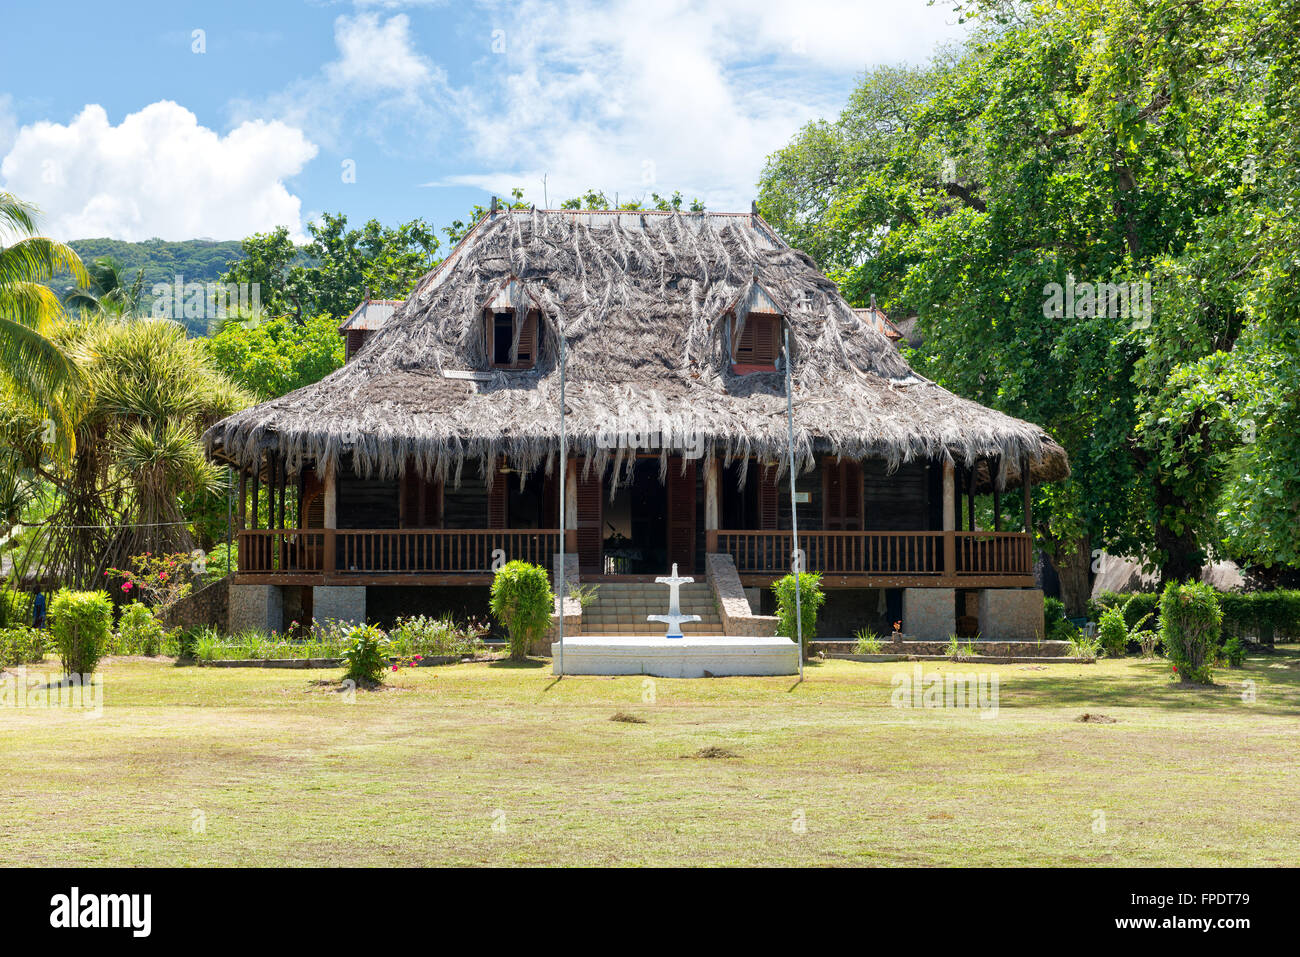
[[501, 340], [757, 346]]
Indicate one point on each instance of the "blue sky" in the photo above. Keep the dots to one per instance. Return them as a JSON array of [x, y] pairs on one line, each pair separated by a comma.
[[219, 119]]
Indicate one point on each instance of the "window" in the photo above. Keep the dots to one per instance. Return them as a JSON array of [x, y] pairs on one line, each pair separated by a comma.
[[356, 338], [758, 345], [501, 336]]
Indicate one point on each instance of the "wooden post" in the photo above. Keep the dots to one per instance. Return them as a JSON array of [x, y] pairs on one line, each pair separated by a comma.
[[970, 499], [243, 498], [711, 504], [1024, 482], [330, 496], [257, 489], [949, 520]]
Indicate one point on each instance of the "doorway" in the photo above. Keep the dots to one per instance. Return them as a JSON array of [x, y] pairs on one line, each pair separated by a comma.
[[636, 523]]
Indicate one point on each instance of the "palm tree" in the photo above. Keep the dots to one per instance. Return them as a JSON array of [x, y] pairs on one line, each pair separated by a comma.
[[108, 291], [39, 373]]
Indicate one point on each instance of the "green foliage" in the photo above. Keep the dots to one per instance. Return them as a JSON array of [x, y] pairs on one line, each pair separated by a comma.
[[1083, 647], [869, 642], [436, 637], [1190, 621], [1083, 144], [811, 598], [273, 356], [366, 656], [1112, 633], [523, 602], [958, 650], [330, 275], [139, 631], [81, 623], [21, 645], [1234, 652], [15, 608], [1262, 613], [1053, 611]]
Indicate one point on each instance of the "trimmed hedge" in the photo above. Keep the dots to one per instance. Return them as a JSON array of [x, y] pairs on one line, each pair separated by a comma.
[[1245, 614], [1191, 622], [81, 623]]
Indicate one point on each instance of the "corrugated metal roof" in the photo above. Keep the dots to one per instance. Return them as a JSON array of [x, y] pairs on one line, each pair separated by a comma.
[[881, 322], [371, 314]]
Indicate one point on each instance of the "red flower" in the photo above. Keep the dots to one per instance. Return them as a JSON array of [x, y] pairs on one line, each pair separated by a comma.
[[126, 586], [394, 667]]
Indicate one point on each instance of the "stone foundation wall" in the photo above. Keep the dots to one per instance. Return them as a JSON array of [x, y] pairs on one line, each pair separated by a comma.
[[209, 606], [1011, 614], [733, 606], [572, 607], [930, 614], [342, 603], [256, 607]]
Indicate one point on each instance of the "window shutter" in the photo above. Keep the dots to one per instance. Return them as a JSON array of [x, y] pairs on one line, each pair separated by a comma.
[[591, 544], [527, 353], [768, 497], [498, 497], [832, 495], [681, 515]]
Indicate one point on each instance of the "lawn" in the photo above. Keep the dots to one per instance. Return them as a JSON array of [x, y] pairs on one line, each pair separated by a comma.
[[501, 764]]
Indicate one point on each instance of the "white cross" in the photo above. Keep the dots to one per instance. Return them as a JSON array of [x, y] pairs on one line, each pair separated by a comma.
[[674, 619]]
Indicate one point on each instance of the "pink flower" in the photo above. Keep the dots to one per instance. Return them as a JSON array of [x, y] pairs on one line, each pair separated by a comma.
[[126, 586], [394, 667]]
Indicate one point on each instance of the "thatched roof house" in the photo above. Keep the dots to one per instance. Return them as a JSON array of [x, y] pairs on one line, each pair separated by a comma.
[[674, 329], [651, 305]]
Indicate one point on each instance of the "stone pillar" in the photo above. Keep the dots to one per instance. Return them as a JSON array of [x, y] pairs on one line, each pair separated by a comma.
[[331, 499], [256, 608], [949, 497], [712, 504], [1011, 614], [342, 603], [930, 614]]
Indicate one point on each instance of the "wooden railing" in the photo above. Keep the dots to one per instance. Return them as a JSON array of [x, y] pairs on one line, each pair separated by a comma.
[[881, 554], [345, 552], [275, 551]]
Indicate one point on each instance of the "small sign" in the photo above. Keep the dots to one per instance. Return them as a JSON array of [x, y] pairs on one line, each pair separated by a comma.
[[802, 498]]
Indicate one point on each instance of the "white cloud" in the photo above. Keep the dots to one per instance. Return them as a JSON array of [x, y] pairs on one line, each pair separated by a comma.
[[157, 173], [691, 94], [379, 88]]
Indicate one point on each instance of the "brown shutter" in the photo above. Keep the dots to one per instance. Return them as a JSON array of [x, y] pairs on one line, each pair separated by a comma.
[[768, 497], [765, 341], [527, 352], [745, 344], [841, 495], [681, 515], [591, 545], [498, 496], [550, 500]]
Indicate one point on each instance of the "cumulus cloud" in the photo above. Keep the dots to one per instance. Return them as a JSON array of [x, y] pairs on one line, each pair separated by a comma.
[[692, 94], [380, 88], [157, 173]]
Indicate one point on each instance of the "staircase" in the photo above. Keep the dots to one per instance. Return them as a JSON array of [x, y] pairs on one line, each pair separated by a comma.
[[620, 608]]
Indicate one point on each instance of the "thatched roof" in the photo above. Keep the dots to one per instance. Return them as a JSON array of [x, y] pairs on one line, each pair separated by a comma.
[[642, 299]]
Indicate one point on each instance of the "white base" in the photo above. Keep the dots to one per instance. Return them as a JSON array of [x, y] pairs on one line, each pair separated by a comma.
[[688, 657]]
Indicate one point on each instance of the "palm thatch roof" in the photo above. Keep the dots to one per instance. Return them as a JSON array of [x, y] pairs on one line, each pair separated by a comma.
[[644, 301]]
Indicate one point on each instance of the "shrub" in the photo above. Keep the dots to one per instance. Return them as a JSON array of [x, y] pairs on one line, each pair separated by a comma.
[[1053, 612], [139, 632], [1136, 606], [15, 608], [522, 601], [1112, 633], [366, 656], [1234, 652], [1268, 615], [81, 623], [1190, 620], [1083, 647], [810, 602], [436, 637], [868, 642], [21, 645]]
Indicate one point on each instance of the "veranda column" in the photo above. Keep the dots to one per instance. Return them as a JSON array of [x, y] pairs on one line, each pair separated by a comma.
[[571, 507], [329, 497], [949, 519], [711, 505]]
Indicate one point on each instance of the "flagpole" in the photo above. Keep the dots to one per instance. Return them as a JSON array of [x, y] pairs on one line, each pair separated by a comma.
[[564, 462], [794, 510]]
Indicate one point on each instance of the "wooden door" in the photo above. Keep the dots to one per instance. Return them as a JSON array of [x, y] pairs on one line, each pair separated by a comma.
[[841, 495], [590, 522], [681, 515]]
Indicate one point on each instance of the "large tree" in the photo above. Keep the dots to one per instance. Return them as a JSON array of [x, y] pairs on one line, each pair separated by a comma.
[[1069, 146]]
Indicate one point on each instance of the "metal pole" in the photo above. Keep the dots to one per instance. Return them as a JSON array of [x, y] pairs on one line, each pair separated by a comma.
[[794, 509], [564, 462]]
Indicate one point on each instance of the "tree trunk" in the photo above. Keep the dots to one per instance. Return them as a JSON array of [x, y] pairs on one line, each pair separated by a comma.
[[1072, 563]]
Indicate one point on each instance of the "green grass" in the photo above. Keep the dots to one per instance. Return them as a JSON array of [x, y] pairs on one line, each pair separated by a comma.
[[285, 771]]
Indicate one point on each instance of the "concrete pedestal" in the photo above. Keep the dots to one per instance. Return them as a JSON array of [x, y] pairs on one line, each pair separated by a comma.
[[342, 603], [930, 614], [256, 608], [1011, 614], [688, 657]]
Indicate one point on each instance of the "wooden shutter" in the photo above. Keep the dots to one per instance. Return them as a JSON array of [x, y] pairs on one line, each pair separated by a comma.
[[681, 515], [841, 495], [590, 521], [421, 502], [768, 497], [526, 355], [745, 343], [498, 497], [356, 338], [765, 341]]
